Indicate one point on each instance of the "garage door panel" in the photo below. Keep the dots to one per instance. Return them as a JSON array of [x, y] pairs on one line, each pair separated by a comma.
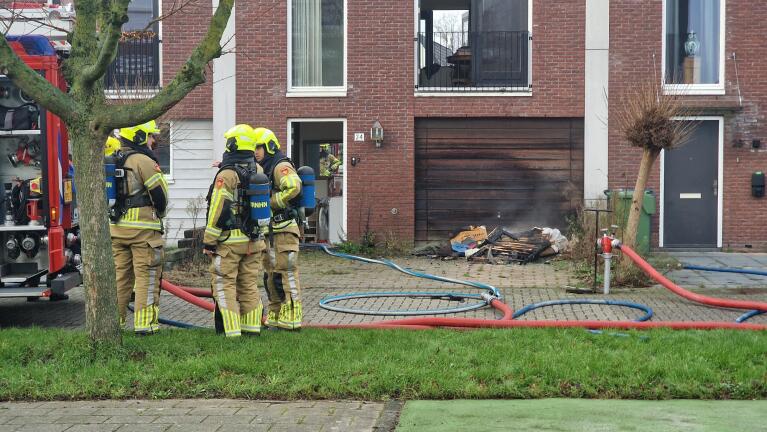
[[499, 165], [448, 175], [499, 153], [471, 171]]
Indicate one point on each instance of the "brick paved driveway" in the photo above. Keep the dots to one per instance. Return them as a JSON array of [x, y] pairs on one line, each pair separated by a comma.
[[323, 275]]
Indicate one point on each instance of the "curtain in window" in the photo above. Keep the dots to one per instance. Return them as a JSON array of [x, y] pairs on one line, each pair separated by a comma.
[[307, 43], [692, 41]]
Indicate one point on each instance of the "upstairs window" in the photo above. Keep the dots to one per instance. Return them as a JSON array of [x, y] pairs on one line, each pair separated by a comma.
[[136, 69], [318, 52], [694, 46]]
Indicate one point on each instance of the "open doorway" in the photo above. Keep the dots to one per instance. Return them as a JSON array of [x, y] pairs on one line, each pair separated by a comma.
[[321, 145]]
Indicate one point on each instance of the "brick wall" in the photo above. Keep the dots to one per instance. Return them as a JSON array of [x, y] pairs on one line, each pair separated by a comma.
[[380, 80], [635, 36], [181, 32]]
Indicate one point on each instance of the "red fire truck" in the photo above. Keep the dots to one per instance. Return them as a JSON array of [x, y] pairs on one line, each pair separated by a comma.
[[38, 211]]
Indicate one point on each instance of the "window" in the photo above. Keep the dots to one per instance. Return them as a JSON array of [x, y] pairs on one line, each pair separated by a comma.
[[162, 148], [694, 46], [140, 14], [137, 65], [473, 45], [317, 46]]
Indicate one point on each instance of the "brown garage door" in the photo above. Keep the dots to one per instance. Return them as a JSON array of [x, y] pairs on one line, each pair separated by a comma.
[[517, 173]]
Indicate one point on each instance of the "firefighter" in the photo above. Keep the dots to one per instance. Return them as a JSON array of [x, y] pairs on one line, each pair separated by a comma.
[[235, 267], [281, 262], [329, 164], [136, 227]]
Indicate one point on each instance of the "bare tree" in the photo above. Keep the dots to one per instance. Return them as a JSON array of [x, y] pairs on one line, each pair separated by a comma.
[[648, 121], [89, 119], [447, 26]]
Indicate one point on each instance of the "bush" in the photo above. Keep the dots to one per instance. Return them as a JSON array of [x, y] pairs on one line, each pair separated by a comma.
[[583, 246]]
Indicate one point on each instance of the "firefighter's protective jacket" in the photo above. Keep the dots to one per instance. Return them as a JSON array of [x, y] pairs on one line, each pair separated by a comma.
[[145, 184], [286, 185], [223, 220]]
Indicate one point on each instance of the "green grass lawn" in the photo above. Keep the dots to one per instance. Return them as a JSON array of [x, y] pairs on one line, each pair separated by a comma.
[[383, 364]]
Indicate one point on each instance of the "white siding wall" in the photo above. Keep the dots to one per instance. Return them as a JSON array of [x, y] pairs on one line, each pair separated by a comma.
[[191, 173]]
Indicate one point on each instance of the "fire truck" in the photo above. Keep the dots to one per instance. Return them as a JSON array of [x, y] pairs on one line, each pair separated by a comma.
[[39, 232]]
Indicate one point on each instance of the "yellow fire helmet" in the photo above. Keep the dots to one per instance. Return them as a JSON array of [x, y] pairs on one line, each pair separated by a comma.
[[112, 145], [267, 138], [138, 134], [240, 137]]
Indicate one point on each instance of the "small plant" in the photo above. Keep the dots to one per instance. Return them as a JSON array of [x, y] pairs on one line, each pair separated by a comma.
[[583, 247]]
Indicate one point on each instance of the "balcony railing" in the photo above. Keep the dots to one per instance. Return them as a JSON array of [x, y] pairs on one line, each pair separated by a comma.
[[473, 61], [136, 67]]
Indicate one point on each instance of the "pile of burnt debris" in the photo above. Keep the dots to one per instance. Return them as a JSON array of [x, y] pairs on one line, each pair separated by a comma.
[[501, 246]]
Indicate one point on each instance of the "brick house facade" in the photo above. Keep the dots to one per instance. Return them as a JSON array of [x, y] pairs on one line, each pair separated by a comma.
[[380, 76], [580, 52], [635, 35]]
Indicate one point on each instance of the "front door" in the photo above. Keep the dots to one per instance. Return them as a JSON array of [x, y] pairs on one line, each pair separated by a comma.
[[690, 190], [320, 144]]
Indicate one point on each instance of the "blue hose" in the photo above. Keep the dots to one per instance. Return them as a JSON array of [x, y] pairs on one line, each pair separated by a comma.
[[746, 315], [325, 303], [482, 299], [749, 314], [726, 270], [648, 311]]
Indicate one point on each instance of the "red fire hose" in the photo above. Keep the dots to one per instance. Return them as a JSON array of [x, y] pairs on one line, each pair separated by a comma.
[[183, 294], [676, 289]]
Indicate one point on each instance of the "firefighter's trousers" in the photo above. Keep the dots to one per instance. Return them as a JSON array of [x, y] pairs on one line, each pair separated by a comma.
[[138, 261], [281, 282], [235, 271]]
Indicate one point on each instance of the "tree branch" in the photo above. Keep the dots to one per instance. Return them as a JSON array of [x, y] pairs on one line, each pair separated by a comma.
[[19, 16], [117, 16], [34, 84], [173, 10], [190, 76]]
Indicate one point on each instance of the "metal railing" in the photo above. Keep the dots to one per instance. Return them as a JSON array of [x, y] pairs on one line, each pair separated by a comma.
[[473, 61], [136, 67]]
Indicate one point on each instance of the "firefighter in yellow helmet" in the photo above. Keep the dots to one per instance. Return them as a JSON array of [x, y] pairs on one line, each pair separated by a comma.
[[136, 226], [281, 262], [329, 163], [236, 254]]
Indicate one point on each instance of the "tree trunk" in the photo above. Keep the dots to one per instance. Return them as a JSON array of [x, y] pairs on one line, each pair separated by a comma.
[[632, 226], [101, 317]]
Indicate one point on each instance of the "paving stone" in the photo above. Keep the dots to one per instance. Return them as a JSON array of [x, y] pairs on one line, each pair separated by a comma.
[[192, 428], [93, 428], [293, 428], [179, 419], [82, 419], [217, 411], [243, 428], [131, 419], [44, 427], [144, 428], [43, 419], [228, 419]]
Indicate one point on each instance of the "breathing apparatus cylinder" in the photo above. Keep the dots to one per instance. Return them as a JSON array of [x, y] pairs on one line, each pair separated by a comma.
[[307, 201], [259, 189], [110, 173]]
